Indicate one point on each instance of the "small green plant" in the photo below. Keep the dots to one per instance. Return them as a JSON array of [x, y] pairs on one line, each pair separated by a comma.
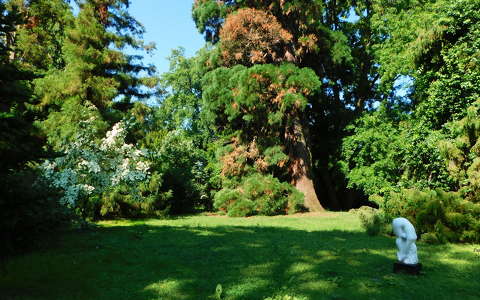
[[285, 297], [372, 220], [218, 292]]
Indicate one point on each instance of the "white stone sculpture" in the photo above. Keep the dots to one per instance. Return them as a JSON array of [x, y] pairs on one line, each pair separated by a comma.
[[406, 237]]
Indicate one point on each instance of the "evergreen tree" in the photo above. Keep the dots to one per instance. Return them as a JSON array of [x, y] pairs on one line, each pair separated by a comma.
[[259, 108], [39, 40], [27, 207], [462, 153], [17, 138], [97, 72], [319, 35]]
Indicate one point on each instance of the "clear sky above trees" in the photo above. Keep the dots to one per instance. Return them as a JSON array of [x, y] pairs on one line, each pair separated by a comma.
[[169, 24]]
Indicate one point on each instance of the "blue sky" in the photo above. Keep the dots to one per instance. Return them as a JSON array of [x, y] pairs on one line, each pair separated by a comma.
[[169, 24]]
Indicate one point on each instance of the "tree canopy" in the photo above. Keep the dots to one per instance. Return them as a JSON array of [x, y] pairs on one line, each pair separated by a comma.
[[290, 106]]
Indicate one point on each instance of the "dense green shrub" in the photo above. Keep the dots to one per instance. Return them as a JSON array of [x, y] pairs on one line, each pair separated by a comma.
[[437, 215], [181, 170], [409, 152], [372, 220], [462, 152], [149, 202], [389, 150], [28, 208], [259, 194]]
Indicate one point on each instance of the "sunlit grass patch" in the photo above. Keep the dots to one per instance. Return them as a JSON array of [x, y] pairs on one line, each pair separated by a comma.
[[312, 257]]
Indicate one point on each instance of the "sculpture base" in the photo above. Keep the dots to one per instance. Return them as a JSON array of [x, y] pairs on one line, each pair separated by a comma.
[[407, 268]]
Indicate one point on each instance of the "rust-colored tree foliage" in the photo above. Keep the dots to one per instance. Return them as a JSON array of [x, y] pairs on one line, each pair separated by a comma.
[[236, 161], [32, 22], [264, 103], [265, 36], [252, 36], [101, 7], [293, 22]]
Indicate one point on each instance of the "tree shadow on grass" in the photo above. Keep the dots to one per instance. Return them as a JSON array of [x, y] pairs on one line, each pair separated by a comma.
[[250, 262]]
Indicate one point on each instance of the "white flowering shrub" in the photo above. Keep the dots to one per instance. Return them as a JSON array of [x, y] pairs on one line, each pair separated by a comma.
[[91, 166]]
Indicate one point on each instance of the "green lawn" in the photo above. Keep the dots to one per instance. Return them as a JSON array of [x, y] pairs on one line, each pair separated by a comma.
[[314, 257]]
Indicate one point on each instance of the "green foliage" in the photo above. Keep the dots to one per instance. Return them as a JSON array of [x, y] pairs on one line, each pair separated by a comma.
[[311, 35], [455, 79], [176, 136], [218, 292], [19, 141], [237, 130], [259, 194], [181, 106], [208, 16], [313, 26], [72, 116], [155, 201], [39, 43], [440, 216], [87, 80], [423, 164], [372, 220], [435, 160], [285, 297], [29, 208], [389, 150], [253, 109], [228, 197], [420, 160], [462, 152], [259, 99], [372, 153], [183, 166], [403, 26], [437, 43], [120, 203], [96, 70]]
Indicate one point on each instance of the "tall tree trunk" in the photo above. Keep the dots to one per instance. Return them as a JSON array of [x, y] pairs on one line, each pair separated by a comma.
[[302, 165]]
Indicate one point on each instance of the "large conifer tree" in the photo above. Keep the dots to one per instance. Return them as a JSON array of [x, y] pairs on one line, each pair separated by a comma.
[[16, 132], [26, 207], [97, 73], [312, 34]]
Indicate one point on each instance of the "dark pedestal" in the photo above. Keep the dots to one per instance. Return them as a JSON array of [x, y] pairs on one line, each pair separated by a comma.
[[406, 268]]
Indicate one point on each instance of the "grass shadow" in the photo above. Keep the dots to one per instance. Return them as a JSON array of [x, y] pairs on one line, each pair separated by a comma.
[[146, 262]]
